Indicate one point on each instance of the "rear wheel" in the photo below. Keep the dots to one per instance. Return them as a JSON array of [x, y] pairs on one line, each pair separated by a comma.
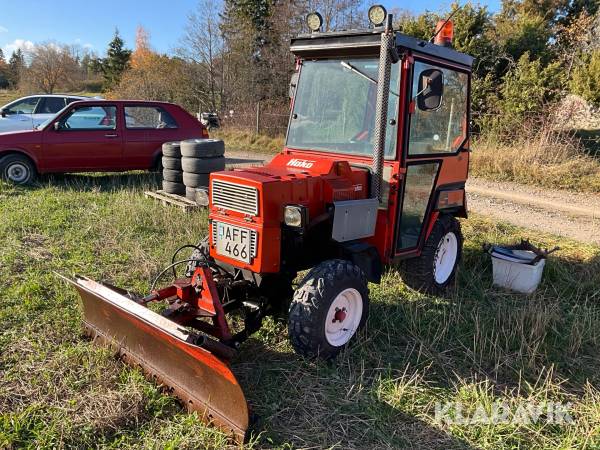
[[18, 169], [435, 269], [329, 307]]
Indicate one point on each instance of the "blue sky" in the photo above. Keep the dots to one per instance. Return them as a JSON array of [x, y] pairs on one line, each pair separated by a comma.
[[91, 24]]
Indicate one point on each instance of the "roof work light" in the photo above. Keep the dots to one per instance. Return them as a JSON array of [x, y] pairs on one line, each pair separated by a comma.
[[314, 20], [377, 15]]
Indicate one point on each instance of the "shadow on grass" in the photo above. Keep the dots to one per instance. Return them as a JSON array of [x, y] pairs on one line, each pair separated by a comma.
[[417, 348], [107, 182]]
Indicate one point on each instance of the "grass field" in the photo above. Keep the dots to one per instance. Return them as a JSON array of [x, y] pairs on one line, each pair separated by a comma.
[[478, 346]]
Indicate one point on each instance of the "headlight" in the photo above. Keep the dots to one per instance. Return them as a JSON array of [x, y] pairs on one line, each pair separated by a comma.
[[377, 15], [295, 216]]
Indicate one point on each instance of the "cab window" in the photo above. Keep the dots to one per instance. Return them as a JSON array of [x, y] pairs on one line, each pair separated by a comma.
[[438, 126]]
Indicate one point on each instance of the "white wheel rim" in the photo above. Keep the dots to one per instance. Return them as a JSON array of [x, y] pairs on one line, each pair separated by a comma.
[[17, 172], [343, 317], [445, 258]]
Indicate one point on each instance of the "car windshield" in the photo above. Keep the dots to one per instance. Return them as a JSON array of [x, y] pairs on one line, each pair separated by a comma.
[[334, 107]]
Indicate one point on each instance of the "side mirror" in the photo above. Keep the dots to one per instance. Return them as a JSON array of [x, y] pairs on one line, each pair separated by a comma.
[[431, 89], [57, 126], [293, 84], [2, 113]]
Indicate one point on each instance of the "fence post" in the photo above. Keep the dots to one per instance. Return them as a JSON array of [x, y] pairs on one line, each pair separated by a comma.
[[257, 117]]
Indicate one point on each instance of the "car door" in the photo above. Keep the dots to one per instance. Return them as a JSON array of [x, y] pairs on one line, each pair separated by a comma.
[[147, 128], [47, 108], [85, 137], [434, 154], [17, 116]]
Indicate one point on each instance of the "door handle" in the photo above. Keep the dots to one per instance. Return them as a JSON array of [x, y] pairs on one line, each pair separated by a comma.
[[111, 135]]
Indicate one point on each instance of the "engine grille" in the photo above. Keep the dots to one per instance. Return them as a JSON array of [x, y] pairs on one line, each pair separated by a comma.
[[234, 197]]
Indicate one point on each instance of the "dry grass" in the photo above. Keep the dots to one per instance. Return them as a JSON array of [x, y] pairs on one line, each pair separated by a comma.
[[479, 345], [248, 141], [547, 157]]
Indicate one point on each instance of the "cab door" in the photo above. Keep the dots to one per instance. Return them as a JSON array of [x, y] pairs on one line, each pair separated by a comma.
[[435, 152]]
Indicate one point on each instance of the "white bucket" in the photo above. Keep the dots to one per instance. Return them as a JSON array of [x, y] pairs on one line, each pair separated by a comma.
[[518, 277]]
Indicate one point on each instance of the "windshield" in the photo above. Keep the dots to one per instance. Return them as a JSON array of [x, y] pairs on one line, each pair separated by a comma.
[[334, 107]]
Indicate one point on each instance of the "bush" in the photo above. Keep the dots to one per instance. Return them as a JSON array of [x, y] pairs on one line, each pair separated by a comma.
[[586, 78]]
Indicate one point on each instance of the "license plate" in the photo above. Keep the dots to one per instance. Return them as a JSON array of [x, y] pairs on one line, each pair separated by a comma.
[[233, 242]]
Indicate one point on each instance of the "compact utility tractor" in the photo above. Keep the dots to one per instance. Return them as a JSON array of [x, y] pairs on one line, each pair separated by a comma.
[[373, 172]]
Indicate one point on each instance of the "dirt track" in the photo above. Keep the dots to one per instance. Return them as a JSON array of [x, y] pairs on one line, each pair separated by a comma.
[[563, 213], [568, 214]]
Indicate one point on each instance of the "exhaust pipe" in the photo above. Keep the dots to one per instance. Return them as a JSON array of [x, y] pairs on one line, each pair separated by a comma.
[[381, 108]]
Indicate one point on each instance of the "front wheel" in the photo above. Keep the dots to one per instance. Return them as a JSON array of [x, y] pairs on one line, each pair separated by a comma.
[[435, 270], [329, 307], [18, 169]]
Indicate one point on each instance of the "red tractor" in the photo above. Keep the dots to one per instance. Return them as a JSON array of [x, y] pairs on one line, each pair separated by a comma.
[[373, 173]]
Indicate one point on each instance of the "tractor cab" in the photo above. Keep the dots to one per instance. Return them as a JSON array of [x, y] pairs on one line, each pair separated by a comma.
[[373, 171]]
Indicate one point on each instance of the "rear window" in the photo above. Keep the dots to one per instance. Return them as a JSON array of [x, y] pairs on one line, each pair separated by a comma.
[[156, 117]]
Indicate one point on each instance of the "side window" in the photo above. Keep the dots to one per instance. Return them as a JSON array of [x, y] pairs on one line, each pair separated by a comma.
[[91, 118], [443, 128], [50, 105], [26, 106], [140, 117], [71, 100]]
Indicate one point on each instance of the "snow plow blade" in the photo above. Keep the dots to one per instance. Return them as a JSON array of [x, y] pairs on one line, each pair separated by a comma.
[[168, 352]]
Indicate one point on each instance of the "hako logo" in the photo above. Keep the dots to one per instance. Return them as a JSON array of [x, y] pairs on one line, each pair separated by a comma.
[[301, 163]]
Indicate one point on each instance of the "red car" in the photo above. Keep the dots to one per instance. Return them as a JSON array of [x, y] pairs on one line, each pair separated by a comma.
[[103, 135]]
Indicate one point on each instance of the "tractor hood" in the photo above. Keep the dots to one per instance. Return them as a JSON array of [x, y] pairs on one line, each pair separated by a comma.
[[287, 180]]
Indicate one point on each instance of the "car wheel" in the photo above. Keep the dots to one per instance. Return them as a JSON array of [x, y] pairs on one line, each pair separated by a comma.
[[18, 169], [329, 307], [172, 163], [171, 187], [202, 165], [194, 180], [202, 148], [172, 175], [172, 149]]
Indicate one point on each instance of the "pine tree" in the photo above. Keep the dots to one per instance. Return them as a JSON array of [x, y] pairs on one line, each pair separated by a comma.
[[115, 63], [15, 68]]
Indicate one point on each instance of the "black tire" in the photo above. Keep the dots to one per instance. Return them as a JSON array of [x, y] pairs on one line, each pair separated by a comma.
[[172, 149], [172, 163], [199, 255], [175, 176], [420, 273], [308, 315], [202, 148], [17, 169], [173, 188], [194, 180], [202, 165]]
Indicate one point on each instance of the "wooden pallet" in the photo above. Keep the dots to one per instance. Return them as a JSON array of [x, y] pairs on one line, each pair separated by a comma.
[[171, 199]]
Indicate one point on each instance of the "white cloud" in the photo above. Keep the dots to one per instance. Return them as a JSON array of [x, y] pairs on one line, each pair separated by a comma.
[[23, 44], [3, 29]]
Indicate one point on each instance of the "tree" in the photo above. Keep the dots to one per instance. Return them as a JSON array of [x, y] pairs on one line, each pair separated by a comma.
[[16, 64], [4, 72], [115, 63], [586, 79], [51, 67]]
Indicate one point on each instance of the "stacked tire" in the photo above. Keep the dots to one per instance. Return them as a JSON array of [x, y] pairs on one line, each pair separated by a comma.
[[200, 157], [172, 171]]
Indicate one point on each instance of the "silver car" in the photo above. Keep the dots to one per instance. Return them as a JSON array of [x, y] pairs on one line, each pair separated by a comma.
[[27, 113]]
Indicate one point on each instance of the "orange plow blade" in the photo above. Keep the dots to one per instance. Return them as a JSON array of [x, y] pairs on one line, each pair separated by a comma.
[[167, 351]]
